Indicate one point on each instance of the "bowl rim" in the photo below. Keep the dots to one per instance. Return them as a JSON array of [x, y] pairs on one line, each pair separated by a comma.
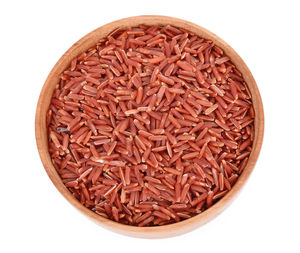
[[165, 230]]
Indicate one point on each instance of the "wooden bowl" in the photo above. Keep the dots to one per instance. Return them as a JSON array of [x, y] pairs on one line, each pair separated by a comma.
[[90, 40]]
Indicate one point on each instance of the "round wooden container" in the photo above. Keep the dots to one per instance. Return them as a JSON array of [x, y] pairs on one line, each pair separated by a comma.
[[90, 40]]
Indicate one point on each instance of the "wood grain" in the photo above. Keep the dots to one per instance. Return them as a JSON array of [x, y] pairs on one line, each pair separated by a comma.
[[90, 40]]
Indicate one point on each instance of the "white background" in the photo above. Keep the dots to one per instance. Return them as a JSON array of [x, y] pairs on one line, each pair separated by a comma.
[[34, 217]]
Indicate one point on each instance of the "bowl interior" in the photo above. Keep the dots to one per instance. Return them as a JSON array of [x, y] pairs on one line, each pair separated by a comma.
[[90, 40]]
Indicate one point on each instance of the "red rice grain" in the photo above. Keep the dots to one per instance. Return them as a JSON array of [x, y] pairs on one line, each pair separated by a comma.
[[151, 126]]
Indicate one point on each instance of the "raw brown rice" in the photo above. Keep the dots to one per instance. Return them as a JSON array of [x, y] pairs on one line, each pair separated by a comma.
[[151, 126]]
